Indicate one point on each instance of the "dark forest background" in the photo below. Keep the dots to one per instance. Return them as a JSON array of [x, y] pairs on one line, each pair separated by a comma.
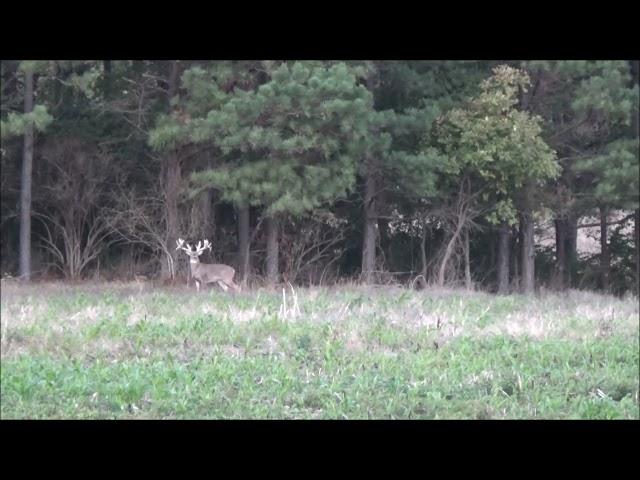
[[499, 175]]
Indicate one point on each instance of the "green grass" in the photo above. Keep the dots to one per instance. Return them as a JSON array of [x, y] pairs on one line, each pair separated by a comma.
[[124, 351]]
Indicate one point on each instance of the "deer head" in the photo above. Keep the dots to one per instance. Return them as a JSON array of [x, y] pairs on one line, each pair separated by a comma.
[[196, 252]]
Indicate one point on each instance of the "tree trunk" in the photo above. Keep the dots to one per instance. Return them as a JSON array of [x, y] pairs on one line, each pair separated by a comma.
[[560, 273], [423, 253], [605, 258], [272, 250], [207, 214], [385, 253], [527, 252], [637, 241], [25, 188], [203, 222], [516, 246], [370, 229], [467, 263], [571, 250], [244, 253], [503, 259], [493, 250], [527, 248], [172, 187], [635, 127], [448, 252], [384, 250]]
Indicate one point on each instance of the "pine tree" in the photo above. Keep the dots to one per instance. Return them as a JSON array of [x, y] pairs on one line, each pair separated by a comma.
[[34, 118], [613, 165], [588, 107], [289, 144]]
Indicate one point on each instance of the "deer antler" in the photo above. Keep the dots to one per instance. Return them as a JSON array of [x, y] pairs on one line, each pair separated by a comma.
[[202, 247], [181, 245]]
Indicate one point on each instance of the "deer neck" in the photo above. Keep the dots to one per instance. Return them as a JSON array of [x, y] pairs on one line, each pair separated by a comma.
[[194, 263]]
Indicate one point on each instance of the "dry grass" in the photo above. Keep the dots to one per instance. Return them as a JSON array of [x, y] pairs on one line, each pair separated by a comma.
[[451, 313]]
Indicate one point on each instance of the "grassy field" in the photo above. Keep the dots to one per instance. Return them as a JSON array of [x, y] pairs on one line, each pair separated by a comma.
[[130, 351]]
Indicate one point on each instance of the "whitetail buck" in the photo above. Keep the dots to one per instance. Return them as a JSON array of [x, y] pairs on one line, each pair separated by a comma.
[[206, 272]]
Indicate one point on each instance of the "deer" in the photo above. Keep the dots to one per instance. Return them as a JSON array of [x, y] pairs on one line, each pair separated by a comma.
[[207, 272]]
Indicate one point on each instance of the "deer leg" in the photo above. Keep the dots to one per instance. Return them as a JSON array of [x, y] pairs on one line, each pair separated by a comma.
[[222, 285], [197, 285]]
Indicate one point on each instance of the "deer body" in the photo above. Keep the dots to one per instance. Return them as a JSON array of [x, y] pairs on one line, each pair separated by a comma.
[[204, 273]]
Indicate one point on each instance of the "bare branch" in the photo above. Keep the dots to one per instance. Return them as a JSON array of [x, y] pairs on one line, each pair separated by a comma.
[[616, 222]]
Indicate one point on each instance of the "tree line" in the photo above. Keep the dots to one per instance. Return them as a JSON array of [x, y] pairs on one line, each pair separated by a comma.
[[314, 172]]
